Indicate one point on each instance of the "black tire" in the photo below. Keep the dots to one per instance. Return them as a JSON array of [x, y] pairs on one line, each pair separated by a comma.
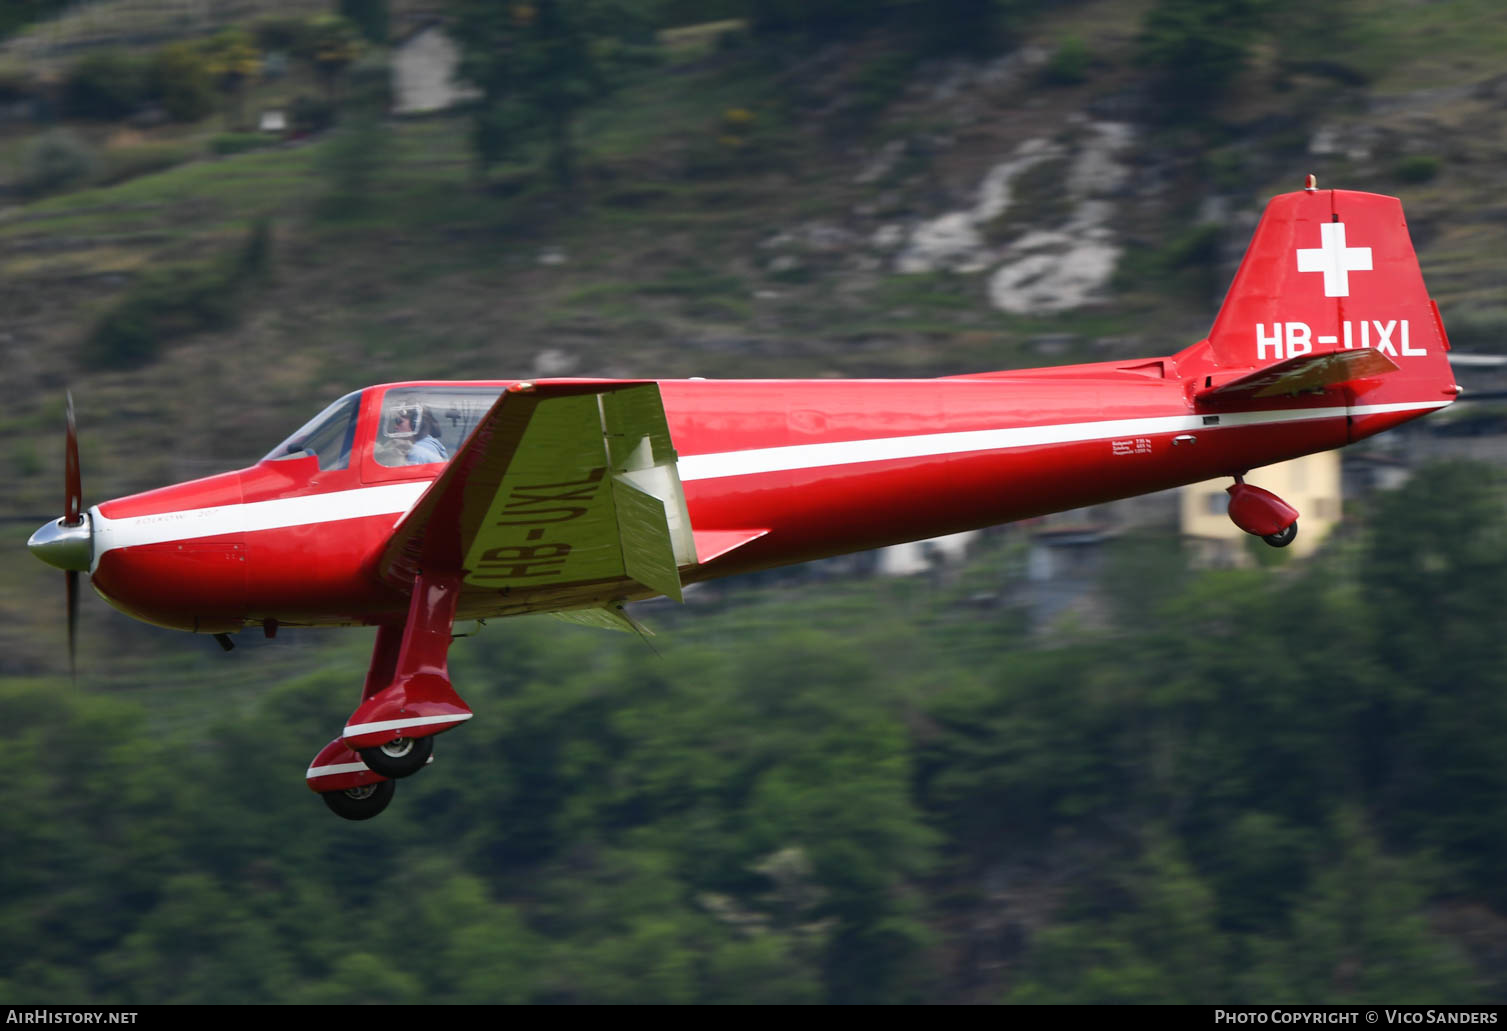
[[400, 758], [360, 803], [1282, 538]]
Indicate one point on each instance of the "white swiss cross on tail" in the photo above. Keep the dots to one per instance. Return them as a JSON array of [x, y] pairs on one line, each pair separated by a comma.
[[1334, 259]]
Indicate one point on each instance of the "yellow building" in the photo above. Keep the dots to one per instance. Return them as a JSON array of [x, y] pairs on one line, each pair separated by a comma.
[[1310, 484]]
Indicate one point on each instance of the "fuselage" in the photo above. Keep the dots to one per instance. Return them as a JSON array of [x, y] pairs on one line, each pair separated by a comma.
[[787, 470]]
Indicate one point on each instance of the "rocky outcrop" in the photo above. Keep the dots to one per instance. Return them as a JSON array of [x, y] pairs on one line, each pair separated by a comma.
[[1049, 265]]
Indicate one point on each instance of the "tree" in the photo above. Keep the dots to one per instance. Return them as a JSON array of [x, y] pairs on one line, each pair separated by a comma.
[[970, 26], [537, 66], [370, 16], [352, 163], [818, 17], [182, 80], [1161, 945], [15, 16], [1196, 48], [108, 84], [232, 62], [330, 43], [56, 160], [1432, 577], [1359, 934]]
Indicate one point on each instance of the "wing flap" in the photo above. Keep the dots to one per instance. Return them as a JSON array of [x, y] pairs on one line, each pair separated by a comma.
[[644, 533]]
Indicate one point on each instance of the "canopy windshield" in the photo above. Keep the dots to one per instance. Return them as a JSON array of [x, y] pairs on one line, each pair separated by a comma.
[[328, 435]]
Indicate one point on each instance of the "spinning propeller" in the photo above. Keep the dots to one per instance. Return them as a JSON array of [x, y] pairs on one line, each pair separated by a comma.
[[68, 542]]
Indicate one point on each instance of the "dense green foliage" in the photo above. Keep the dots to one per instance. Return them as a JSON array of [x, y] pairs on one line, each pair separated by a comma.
[[176, 300], [538, 64], [370, 16], [1196, 49], [355, 158], [20, 13], [183, 82], [1263, 786], [183, 77], [56, 160], [106, 84]]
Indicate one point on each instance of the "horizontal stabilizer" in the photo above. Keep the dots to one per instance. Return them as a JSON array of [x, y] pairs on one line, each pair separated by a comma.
[[1304, 373], [712, 544]]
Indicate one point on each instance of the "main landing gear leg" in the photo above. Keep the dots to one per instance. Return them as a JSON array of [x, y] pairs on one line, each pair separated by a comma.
[[407, 699]]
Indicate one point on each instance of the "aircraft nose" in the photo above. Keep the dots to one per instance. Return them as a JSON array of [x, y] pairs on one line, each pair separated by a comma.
[[64, 546]]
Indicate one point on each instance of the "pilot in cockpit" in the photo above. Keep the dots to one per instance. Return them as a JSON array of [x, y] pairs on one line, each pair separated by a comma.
[[413, 433]]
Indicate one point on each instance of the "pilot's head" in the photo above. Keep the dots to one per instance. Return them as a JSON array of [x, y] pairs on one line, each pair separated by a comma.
[[404, 422]]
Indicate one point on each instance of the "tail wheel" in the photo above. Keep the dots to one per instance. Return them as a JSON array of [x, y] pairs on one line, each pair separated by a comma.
[[361, 803], [399, 758], [1282, 538]]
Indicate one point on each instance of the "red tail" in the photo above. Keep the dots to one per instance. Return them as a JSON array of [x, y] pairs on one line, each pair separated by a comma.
[[1331, 271]]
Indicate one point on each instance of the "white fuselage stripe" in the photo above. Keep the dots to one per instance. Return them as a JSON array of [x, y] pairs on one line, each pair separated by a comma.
[[133, 531], [396, 499], [1399, 406], [929, 445]]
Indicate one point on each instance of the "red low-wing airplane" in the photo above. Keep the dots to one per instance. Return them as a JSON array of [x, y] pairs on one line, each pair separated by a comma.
[[409, 506]]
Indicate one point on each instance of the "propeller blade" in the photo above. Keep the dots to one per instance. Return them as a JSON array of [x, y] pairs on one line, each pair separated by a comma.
[[72, 578], [73, 503], [73, 485]]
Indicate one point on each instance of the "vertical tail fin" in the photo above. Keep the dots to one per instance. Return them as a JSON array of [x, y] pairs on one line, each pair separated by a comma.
[[1334, 271]]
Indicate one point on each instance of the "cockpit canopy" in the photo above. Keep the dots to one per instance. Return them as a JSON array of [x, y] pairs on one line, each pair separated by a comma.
[[418, 425]]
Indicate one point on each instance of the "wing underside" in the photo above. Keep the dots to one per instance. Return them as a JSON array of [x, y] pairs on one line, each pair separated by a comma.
[[565, 494]]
